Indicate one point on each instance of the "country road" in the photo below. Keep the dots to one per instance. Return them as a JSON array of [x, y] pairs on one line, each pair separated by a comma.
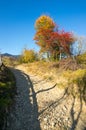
[[24, 115], [41, 105]]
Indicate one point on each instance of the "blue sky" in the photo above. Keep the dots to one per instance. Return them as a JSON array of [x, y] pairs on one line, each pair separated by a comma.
[[17, 18]]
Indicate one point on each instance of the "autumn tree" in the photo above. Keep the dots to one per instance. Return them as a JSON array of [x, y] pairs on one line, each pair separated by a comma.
[[28, 56], [50, 39], [44, 25]]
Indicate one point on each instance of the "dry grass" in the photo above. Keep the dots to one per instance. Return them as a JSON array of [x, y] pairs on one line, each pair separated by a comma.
[[42, 69], [75, 80]]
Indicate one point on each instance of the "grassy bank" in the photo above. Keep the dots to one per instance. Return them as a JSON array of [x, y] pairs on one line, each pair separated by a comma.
[[7, 92], [74, 80]]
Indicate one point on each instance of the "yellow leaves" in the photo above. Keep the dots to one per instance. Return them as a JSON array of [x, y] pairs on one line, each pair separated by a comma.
[[44, 22], [44, 25], [28, 56]]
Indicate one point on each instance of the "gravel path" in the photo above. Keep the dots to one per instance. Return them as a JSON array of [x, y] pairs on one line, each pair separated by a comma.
[[41, 105], [24, 114]]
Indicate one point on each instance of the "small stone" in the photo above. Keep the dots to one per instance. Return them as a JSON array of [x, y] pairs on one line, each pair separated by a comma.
[[59, 123], [64, 108], [53, 124], [45, 127], [66, 119], [45, 119], [59, 119]]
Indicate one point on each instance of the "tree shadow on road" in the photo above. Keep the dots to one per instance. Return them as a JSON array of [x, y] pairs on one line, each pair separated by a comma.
[[24, 113], [76, 114], [33, 95], [34, 123], [75, 118], [57, 102], [72, 114]]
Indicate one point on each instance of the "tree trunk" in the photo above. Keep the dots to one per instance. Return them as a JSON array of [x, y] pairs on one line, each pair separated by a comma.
[[60, 57]]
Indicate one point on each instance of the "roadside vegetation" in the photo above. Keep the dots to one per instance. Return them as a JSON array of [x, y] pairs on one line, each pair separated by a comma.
[[7, 92], [59, 59], [10, 61], [69, 75], [28, 56]]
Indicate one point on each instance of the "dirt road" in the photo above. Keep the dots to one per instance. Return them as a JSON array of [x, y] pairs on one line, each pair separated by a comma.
[[41, 105], [24, 114]]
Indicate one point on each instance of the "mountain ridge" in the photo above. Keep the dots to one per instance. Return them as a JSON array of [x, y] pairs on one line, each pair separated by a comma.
[[9, 55]]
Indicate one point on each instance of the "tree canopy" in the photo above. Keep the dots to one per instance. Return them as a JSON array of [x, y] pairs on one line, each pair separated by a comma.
[[50, 39], [44, 22], [28, 56]]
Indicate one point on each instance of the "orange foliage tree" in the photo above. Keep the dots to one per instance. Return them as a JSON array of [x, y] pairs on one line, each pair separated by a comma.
[[51, 41], [44, 25]]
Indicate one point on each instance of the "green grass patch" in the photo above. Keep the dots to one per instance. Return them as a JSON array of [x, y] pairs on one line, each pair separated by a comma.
[[7, 92]]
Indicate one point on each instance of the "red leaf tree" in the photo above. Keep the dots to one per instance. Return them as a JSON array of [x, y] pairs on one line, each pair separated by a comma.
[[51, 41]]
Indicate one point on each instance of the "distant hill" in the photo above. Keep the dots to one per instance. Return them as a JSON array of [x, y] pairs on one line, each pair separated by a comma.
[[10, 55]]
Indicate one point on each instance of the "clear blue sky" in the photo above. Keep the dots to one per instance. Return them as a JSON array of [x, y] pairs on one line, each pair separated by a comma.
[[17, 18]]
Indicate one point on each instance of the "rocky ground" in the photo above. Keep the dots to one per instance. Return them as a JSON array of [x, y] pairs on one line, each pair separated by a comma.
[[41, 105]]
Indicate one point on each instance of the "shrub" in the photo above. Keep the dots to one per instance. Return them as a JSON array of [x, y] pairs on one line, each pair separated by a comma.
[[82, 58], [76, 82], [28, 56]]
